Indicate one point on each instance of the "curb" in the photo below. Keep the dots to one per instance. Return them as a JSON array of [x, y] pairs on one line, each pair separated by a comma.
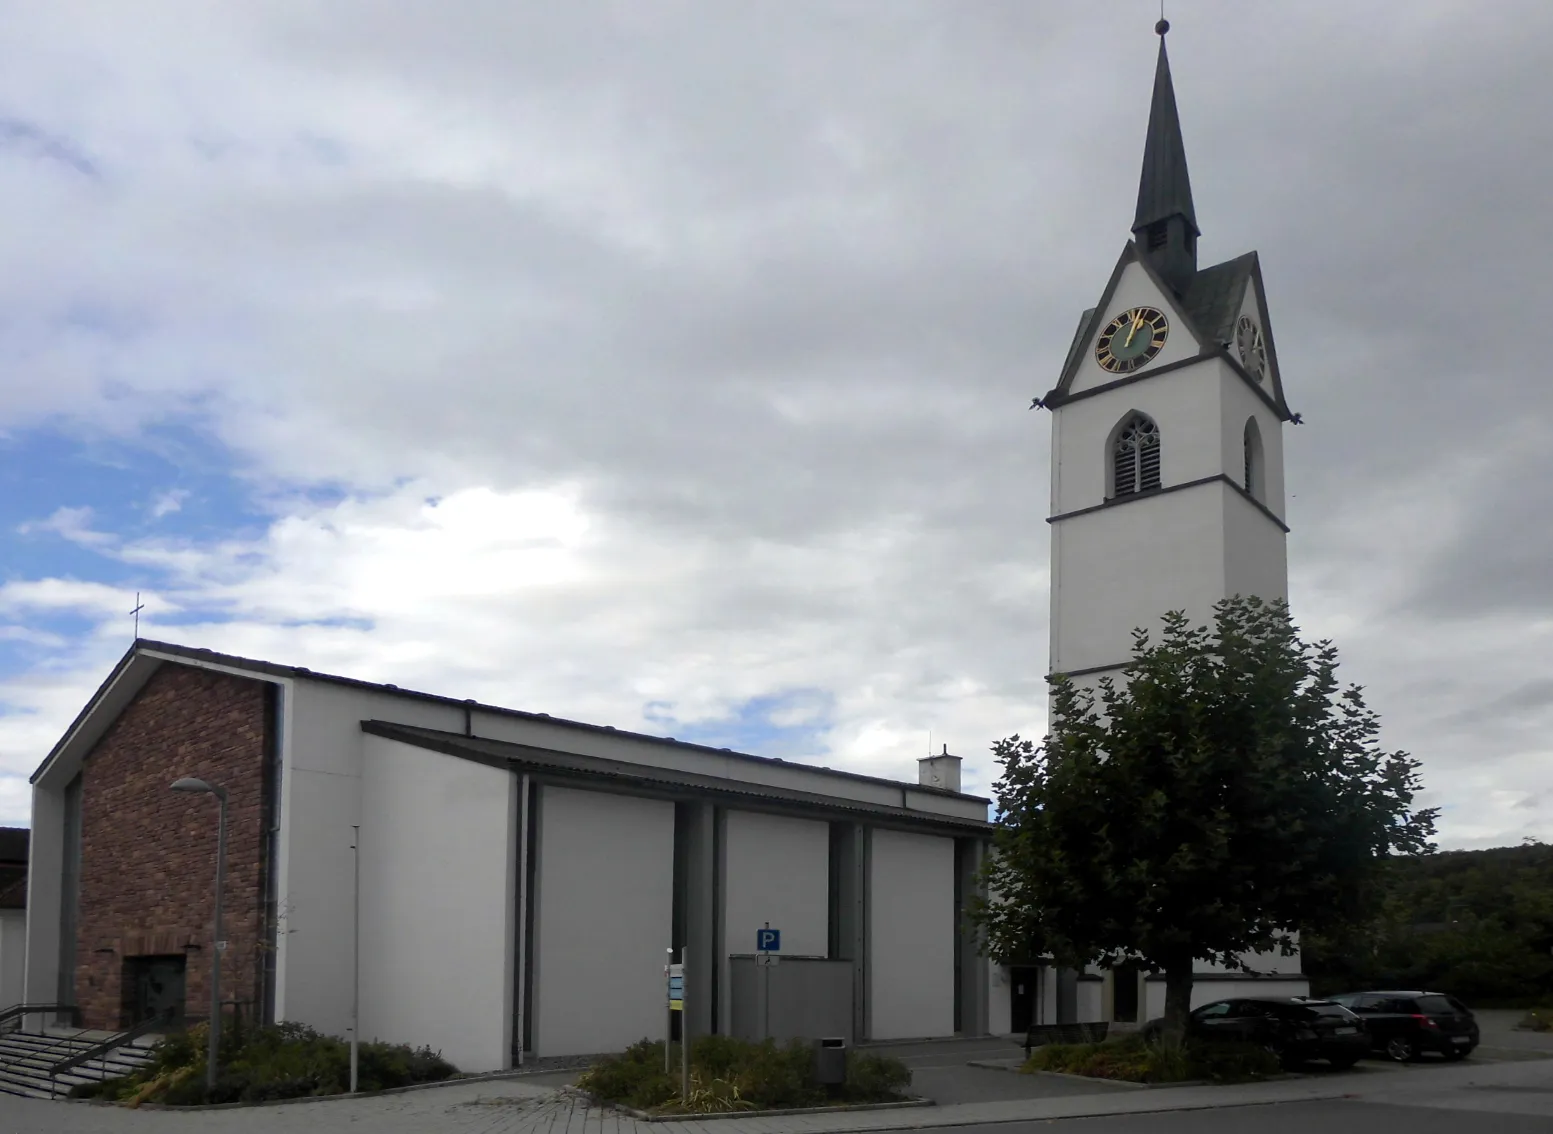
[[487, 1077], [644, 1116]]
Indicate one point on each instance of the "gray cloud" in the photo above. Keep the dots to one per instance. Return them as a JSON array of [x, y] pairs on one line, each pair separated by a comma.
[[772, 284]]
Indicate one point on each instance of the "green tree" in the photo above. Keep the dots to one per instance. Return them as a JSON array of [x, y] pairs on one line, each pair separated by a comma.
[[1223, 797]]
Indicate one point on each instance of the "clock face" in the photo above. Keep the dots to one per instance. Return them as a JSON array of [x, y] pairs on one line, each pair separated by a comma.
[[1131, 340], [1253, 351]]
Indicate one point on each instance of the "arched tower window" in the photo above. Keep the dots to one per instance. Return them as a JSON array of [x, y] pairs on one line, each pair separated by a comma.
[[1135, 456], [1256, 463]]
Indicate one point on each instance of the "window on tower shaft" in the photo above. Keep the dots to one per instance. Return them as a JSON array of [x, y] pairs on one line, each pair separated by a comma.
[[1135, 456], [1255, 462]]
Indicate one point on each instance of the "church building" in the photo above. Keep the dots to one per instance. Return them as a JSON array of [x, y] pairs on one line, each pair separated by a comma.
[[492, 883], [1167, 493], [498, 884]]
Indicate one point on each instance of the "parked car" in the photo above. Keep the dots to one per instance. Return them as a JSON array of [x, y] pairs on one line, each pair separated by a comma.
[[1403, 1024], [1295, 1029]]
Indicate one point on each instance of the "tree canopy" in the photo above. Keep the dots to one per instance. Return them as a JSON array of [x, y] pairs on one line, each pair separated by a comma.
[[1225, 795]]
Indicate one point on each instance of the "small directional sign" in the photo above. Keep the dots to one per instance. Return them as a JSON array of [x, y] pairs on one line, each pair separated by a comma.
[[768, 940], [766, 960], [676, 988]]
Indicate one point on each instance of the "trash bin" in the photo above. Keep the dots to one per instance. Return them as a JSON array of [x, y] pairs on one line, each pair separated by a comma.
[[830, 1062]]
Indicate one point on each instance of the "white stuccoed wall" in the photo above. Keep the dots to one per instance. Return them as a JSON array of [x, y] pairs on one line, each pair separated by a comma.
[[438, 876], [322, 751], [604, 909], [777, 871], [911, 929], [1000, 1003]]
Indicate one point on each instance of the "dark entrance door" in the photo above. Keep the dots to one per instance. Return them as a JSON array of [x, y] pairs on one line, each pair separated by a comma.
[[1023, 980], [1124, 998], [153, 986]]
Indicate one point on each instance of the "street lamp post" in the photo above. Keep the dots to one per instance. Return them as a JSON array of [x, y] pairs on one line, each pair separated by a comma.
[[190, 784]]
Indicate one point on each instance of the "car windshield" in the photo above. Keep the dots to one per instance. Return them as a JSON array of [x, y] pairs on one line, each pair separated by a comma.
[[1327, 1009], [1435, 1006]]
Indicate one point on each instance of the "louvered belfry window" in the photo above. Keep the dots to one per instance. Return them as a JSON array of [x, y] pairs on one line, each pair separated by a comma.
[[1136, 458]]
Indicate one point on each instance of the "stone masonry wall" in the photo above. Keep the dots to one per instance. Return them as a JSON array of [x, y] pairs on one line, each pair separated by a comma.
[[148, 854]]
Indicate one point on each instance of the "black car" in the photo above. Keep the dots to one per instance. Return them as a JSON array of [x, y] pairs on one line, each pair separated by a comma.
[[1293, 1028], [1403, 1024]]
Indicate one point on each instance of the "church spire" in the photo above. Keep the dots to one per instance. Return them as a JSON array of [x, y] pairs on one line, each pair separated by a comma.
[[1165, 226]]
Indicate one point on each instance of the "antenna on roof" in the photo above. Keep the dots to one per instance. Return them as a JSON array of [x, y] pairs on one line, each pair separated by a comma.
[[139, 606]]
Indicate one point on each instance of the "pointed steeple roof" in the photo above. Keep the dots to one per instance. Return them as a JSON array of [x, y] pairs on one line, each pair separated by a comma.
[[1164, 190]]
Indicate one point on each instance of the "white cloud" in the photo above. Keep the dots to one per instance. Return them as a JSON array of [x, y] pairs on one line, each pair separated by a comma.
[[166, 503], [713, 328], [73, 524]]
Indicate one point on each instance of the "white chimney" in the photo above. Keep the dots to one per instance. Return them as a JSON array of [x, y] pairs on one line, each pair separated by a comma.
[[941, 771]]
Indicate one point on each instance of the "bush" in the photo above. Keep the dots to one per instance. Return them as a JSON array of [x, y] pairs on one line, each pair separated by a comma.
[[1134, 1059], [727, 1074], [261, 1064], [1537, 1020]]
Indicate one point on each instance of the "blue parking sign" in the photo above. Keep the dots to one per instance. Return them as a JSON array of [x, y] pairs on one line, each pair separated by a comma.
[[768, 940]]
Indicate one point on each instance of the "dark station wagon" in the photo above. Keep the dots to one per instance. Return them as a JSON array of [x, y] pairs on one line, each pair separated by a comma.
[[1403, 1024], [1293, 1028]]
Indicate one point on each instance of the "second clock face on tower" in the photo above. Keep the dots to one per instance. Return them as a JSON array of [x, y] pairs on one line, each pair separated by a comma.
[[1253, 351], [1132, 340]]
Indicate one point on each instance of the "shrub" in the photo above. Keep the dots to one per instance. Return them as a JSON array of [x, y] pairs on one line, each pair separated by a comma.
[[1164, 1059], [260, 1064], [877, 1078], [728, 1074], [1537, 1020]]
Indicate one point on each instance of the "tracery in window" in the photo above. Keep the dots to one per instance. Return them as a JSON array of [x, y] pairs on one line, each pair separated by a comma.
[[1135, 456]]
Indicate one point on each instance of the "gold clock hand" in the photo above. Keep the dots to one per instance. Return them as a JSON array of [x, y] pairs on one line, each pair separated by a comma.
[[1137, 321]]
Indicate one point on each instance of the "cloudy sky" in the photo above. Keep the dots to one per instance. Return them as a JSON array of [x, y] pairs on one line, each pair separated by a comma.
[[665, 363]]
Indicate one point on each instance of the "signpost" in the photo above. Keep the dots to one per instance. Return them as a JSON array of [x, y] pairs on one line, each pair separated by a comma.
[[676, 1000], [768, 942]]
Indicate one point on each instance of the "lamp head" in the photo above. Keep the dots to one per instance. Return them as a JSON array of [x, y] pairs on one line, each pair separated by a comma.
[[190, 784]]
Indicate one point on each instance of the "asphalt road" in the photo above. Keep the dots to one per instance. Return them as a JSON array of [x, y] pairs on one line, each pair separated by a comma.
[[1287, 1118]]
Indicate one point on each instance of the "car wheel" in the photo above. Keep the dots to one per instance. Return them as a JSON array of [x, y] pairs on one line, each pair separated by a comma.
[[1401, 1049]]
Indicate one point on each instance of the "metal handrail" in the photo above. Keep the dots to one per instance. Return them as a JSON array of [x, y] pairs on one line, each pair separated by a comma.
[[104, 1047], [19, 1011]]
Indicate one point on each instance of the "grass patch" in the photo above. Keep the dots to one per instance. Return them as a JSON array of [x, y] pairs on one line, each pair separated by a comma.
[[284, 1061], [1133, 1059], [728, 1075]]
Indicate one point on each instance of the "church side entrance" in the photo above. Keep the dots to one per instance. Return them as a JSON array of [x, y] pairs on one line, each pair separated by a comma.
[[1024, 983], [153, 986], [1124, 993]]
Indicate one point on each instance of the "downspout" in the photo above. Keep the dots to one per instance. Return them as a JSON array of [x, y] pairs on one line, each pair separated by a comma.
[[520, 977], [269, 887]]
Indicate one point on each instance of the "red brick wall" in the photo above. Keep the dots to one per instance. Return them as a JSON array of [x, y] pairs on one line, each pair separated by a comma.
[[148, 854]]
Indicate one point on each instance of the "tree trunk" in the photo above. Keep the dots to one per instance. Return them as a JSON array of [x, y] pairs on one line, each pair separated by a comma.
[[1178, 992]]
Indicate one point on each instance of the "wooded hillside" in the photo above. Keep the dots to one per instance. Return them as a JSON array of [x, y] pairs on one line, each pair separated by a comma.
[[1478, 924]]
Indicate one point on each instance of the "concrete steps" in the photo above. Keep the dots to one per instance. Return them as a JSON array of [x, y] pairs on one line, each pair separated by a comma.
[[25, 1059]]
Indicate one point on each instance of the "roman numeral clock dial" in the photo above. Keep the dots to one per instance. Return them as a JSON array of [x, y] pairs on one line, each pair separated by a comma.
[[1131, 340]]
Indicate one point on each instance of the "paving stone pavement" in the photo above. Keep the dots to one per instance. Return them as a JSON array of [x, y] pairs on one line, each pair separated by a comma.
[[537, 1106]]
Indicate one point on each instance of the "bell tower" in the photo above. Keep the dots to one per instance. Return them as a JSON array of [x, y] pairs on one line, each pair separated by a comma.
[[1167, 487]]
